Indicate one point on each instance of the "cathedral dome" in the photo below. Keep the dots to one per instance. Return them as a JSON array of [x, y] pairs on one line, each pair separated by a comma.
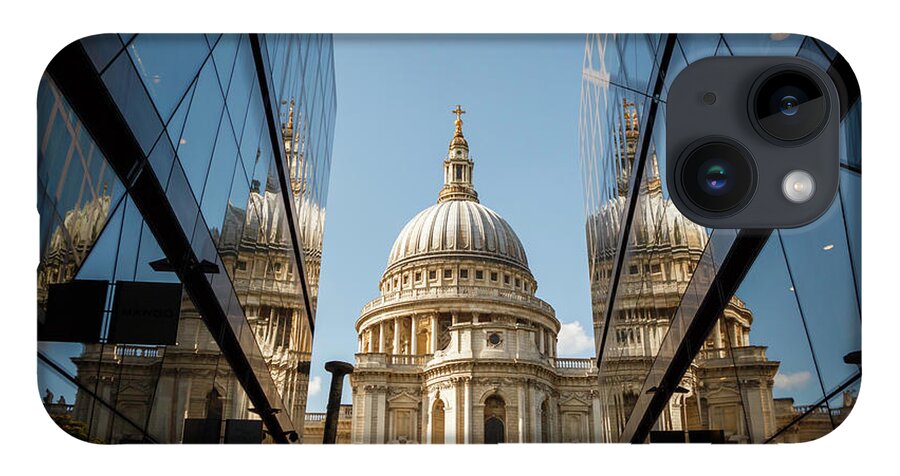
[[657, 223], [458, 225], [458, 228]]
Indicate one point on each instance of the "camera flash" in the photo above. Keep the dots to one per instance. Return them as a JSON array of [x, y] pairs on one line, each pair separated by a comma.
[[798, 186]]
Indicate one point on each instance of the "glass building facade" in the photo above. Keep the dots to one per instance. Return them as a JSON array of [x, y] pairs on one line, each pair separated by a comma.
[[198, 164], [709, 335]]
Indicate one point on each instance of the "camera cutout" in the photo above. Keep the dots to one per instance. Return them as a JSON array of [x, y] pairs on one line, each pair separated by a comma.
[[752, 142]]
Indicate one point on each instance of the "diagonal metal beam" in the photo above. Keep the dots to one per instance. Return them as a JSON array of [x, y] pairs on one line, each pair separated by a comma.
[[634, 186], [260, 58], [678, 349]]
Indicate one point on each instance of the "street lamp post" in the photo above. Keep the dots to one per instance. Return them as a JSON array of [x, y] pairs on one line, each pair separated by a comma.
[[337, 369]]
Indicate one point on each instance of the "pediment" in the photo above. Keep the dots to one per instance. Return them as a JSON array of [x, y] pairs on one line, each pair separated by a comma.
[[403, 399]]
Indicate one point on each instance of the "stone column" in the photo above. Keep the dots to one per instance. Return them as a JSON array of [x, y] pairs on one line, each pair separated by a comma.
[[413, 341], [540, 339], [381, 415], [371, 347], [368, 416], [555, 425], [718, 336], [595, 417], [434, 333], [521, 412], [535, 415], [396, 349], [381, 337], [450, 418], [467, 411], [426, 414]]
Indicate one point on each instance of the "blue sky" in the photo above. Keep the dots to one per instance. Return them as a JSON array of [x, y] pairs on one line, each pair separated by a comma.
[[394, 123]]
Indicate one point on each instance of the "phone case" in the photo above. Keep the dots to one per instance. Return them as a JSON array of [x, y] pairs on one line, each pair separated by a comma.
[[182, 189]]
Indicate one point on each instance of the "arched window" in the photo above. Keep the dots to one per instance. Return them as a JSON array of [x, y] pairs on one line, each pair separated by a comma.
[[437, 422], [494, 420]]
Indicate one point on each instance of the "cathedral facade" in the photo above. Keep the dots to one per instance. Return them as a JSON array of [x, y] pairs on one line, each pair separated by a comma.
[[458, 349]]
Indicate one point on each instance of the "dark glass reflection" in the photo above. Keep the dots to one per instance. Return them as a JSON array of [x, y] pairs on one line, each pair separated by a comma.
[[218, 169], [778, 363]]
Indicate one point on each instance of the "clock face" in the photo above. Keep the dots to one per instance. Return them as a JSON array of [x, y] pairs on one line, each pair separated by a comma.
[[494, 339]]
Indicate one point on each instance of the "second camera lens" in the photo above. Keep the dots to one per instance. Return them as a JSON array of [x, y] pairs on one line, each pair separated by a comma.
[[789, 105]]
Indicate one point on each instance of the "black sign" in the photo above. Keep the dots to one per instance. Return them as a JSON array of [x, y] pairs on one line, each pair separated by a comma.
[[145, 313], [668, 437], [74, 312], [243, 431], [706, 436], [201, 430]]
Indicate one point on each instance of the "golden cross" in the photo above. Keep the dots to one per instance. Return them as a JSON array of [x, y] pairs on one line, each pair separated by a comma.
[[458, 111]]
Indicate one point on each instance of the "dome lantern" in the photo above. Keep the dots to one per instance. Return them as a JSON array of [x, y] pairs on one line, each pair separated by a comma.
[[457, 166]]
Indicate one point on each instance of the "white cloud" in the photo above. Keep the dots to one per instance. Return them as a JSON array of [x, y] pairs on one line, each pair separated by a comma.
[[315, 385], [791, 381], [574, 341]]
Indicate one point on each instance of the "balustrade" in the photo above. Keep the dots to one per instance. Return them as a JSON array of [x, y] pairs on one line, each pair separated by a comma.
[[455, 292]]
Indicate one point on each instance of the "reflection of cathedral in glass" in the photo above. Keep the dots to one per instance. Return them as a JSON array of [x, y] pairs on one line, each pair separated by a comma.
[[728, 387], [229, 213], [664, 250], [256, 253]]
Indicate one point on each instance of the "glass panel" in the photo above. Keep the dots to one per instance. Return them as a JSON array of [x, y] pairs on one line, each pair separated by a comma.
[[125, 88], [815, 51], [102, 49], [243, 82], [819, 264], [851, 132], [224, 56], [175, 127], [165, 75], [195, 147], [218, 181], [77, 191]]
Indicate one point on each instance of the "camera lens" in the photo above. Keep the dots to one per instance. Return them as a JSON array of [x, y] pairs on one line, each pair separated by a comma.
[[713, 176], [789, 105], [717, 175]]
